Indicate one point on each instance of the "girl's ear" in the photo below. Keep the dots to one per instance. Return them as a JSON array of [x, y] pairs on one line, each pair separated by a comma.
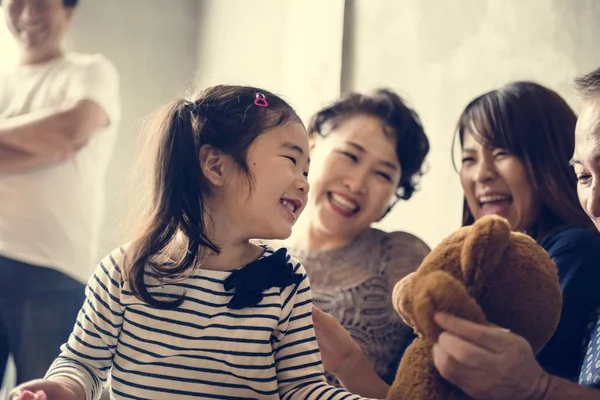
[[212, 163]]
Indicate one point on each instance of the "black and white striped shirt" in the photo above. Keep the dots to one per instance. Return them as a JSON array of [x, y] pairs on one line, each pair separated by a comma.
[[202, 349]]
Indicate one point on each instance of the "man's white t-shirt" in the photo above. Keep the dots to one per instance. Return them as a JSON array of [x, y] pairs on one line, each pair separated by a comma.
[[51, 216]]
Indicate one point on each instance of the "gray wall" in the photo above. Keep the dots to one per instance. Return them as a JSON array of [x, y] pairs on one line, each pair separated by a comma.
[[441, 54]]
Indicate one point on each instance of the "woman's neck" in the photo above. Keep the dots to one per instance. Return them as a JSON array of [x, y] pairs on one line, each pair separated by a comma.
[[312, 237]]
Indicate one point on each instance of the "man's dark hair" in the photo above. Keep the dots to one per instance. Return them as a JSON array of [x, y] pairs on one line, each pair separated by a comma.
[[588, 85]]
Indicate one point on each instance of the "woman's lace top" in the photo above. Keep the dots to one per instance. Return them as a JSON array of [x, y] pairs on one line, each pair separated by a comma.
[[355, 285]]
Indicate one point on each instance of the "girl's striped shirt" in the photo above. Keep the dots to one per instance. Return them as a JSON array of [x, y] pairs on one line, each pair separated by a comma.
[[202, 349]]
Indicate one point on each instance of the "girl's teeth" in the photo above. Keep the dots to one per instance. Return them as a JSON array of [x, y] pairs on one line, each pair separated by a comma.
[[289, 205]]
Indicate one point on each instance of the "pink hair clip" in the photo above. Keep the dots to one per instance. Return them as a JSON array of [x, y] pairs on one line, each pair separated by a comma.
[[261, 100]]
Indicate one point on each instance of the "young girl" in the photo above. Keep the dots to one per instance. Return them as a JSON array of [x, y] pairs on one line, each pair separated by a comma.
[[192, 309]]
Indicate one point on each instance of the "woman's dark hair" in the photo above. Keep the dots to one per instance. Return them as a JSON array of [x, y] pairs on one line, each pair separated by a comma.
[[401, 121], [537, 126], [223, 117]]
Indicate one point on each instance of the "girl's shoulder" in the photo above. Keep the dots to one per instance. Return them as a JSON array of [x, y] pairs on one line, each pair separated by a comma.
[[271, 248], [115, 261], [116, 264]]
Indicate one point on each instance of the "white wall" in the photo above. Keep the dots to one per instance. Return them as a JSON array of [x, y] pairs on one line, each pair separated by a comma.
[[292, 47], [441, 54]]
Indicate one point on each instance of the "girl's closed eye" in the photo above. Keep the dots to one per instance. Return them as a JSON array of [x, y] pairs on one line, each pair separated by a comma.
[[295, 162]]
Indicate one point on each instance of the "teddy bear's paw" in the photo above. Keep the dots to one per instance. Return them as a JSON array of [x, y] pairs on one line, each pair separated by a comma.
[[402, 298], [440, 292]]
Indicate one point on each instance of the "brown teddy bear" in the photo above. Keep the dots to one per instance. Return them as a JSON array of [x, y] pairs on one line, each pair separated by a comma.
[[484, 273]]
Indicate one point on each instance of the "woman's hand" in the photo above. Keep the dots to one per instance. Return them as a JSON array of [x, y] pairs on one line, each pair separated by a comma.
[[337, 347], [488, 362], [344, 359]]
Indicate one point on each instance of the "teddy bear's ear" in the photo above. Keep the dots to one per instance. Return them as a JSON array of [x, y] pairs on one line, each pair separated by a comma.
[[439, 291], [483, 248]]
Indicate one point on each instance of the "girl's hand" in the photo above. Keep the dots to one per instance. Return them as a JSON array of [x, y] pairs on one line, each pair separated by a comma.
[[41, 389], [27, 395]]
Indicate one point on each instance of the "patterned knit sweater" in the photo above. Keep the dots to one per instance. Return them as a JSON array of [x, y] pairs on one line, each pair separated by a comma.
[[355, 284]]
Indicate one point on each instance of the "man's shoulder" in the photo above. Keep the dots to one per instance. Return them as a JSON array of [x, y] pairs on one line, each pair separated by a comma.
[[590, 370], [86, 61], [71, 65]]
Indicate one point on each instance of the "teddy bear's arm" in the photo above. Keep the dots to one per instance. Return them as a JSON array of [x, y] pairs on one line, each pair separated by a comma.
[[436, 292]]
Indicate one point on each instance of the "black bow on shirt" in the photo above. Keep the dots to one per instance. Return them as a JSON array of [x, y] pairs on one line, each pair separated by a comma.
[[252, 280]]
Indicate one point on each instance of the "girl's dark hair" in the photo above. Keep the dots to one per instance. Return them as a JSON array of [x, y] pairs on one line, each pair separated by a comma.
[[224, 117], [412, 145], [537, 126], [66, 3]]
